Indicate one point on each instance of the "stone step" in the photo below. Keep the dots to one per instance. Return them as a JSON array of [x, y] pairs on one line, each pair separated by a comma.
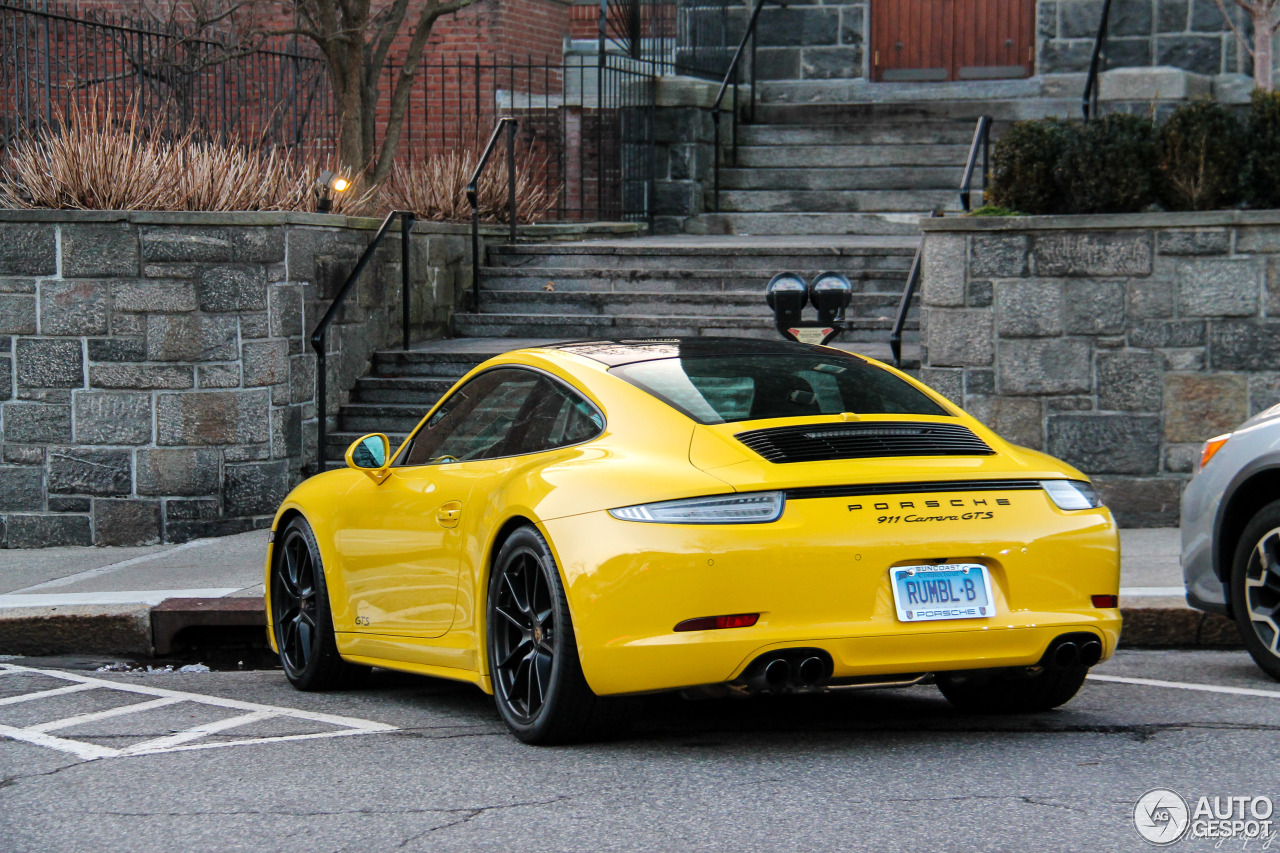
[[578, 326], [845, 156], [401, 389], [843, 102], [917, 132], [337, 442], [870, 254], [401, 418], [710, 282], [807, 224], [623, 304], [835, 178], [837, 201]]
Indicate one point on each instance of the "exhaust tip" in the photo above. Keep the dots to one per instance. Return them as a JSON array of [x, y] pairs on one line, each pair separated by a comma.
[[1090, 652], [777, 673], [1066, 654], [811, 671]]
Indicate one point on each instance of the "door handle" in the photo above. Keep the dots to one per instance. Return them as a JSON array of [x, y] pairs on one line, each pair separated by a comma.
[[449, 514]]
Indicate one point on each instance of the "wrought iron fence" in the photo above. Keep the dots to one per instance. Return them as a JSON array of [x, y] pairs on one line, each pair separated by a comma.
[[276, 93], [586, 125], [691, 37]]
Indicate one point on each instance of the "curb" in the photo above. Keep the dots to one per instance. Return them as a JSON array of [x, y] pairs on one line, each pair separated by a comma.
[[133, 630], [143, 631]]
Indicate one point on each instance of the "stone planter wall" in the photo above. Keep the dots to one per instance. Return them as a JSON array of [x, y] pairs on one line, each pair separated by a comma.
[[1118, 343], [156, 377]]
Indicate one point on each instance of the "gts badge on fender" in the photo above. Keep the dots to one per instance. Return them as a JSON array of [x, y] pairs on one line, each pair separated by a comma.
[[973, 510]]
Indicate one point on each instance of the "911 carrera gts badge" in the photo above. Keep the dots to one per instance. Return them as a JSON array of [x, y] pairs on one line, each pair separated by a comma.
[[973, 510]]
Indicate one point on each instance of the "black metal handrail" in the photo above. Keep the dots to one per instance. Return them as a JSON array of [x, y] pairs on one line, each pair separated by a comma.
[[1089, 103], [473, 198], [913, 281], [731, 79], [981, 142], [319, 337]]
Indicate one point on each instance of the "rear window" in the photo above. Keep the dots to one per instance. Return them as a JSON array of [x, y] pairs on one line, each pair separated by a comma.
[[722, 389]]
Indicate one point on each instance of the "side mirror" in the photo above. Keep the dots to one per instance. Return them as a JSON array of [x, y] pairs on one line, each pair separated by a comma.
[[370, 454]]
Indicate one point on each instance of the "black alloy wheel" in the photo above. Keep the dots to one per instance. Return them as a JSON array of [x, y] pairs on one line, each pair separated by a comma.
[[538, 683], [1255, 588], [300, 616]]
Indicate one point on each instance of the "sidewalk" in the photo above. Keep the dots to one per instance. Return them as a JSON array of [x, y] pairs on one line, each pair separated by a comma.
[[132, 600]]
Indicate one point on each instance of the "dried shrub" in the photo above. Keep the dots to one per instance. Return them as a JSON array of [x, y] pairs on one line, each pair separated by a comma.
[[1262, 143], [1023, 176], [97, 159], [1201, 146], [1108, 166], [436, 187]]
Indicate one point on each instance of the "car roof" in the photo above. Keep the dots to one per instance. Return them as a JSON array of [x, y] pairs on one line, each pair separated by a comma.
[[631, 350]]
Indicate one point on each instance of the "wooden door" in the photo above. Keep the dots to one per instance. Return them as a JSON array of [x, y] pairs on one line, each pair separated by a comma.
[[937, 40]]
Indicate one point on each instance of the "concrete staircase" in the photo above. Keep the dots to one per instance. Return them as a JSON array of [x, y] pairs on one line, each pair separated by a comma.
[[640, 287], [853, 168], [816, 186]]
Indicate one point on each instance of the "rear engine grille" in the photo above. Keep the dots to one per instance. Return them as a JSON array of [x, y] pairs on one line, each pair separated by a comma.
[[820, 442]]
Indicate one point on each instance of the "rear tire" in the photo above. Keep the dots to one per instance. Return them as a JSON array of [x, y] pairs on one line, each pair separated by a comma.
[[538, 685], [1012, 692], [300, 616], [1255, 588]]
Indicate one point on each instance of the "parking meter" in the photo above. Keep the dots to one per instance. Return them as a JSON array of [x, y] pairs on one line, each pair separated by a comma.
[[787, 294], [830, 293]]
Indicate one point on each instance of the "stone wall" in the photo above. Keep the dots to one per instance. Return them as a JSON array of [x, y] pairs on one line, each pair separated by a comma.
[[155, 371], [1187, 34], [1118, 343], [684, 141], [812, 40]]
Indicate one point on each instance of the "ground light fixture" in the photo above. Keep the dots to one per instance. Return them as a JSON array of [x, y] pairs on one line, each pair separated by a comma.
[[329, 182]]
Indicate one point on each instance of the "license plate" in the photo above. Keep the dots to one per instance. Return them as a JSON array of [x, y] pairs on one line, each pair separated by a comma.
[[951, 591]]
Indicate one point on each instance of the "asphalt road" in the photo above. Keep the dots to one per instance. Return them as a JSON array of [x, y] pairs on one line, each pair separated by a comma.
[[418, 764]]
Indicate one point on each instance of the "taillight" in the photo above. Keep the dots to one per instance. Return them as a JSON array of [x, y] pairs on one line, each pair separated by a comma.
[[712, 623], [1106, 601]]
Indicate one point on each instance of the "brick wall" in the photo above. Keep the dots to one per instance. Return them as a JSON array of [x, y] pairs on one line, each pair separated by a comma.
[[1117, 343], [155, 371]]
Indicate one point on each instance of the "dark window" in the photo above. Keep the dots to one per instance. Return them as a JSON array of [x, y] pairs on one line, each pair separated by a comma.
[[721, 389], [503, 412]]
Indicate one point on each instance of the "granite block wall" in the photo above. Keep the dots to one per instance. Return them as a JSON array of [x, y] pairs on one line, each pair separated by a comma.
[[1117, 343], [1189, 34], [156, 378]]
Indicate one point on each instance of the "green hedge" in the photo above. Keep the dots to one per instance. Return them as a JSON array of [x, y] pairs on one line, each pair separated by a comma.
[[1201, 158]]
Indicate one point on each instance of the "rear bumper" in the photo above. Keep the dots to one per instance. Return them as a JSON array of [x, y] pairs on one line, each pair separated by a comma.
[[819, 578]]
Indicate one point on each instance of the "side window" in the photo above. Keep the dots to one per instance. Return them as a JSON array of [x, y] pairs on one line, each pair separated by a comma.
[[476, 420], [556, 417]]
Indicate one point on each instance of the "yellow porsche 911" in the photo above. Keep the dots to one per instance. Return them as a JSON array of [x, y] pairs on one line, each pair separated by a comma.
[[576, 524]]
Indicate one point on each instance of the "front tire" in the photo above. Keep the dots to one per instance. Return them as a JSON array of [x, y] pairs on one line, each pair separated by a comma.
[[300, 616], [538, 684], [1013, 692], [1255, 588]]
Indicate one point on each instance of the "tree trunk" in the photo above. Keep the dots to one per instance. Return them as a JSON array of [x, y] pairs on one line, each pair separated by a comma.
[[1264, 32]]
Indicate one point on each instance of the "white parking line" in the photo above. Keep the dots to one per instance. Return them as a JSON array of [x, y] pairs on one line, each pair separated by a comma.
[[1152, 591], [177, 742], [1185, 685], [45, 694]]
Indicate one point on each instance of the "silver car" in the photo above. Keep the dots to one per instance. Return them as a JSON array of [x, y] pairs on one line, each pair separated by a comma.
[[1231, 534]]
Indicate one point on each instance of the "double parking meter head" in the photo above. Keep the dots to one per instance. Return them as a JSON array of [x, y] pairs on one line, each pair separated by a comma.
[[787, 294], [830, 293]]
